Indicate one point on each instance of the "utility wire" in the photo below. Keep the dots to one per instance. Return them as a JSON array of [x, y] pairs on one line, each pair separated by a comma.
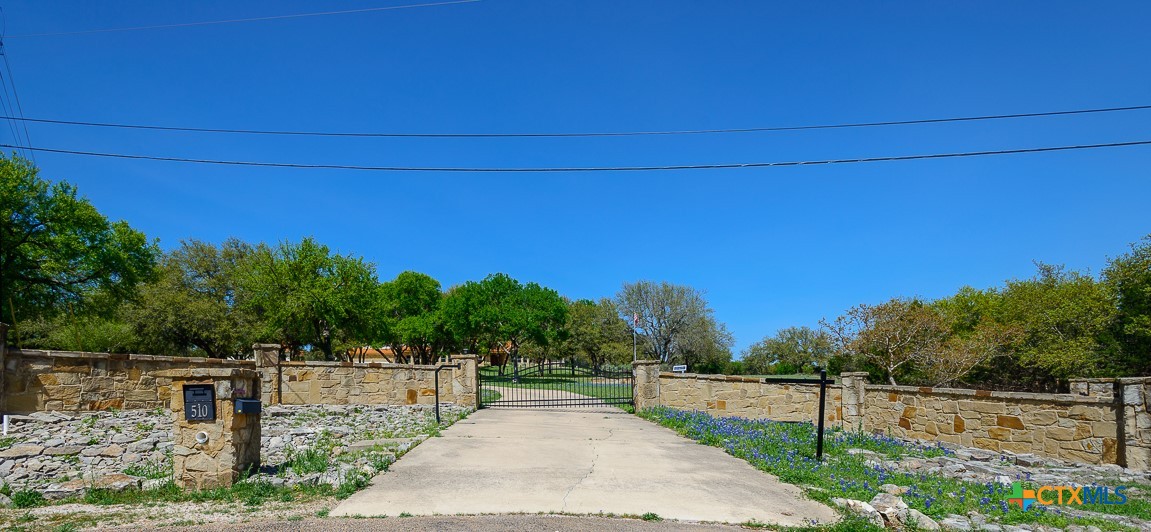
[[19, 107], [589, 168], [585, 134], [237, 20]]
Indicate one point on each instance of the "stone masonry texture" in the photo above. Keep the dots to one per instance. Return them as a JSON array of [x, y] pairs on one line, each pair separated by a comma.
[[35, 381], [1103, 421]]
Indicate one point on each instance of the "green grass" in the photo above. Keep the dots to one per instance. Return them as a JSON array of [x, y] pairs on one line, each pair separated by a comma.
[[787, 451], [562, 379], [27, 499], [149, 469]]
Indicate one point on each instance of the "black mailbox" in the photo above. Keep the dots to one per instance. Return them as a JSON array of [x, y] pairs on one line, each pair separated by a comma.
[[199, 402], [247, 406]]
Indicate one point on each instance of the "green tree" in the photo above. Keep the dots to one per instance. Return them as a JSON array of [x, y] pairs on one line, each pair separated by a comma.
[[500, 315], [410, 310], [790, 350], [677, 323], [597, 333], [1064, 318], [1128, 277], [306, 296], [194, 304], [56, 248], [977, 343], [890, 337]]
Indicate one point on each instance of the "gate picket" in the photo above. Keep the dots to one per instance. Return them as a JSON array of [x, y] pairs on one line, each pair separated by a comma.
[[554, 384]]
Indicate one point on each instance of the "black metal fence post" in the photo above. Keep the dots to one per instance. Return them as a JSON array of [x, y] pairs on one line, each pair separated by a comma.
[[822, 382], [822, 396]]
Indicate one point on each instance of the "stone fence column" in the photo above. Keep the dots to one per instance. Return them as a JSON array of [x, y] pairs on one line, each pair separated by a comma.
[[466, 380], [267, 357], [853, 395], [1135, 423], [646, 374], [216, 434]]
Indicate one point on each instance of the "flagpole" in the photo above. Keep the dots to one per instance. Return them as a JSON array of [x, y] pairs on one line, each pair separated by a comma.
[[634, 322]]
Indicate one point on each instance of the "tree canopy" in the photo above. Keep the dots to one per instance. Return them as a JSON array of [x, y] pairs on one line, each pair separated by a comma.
[[56, 248], [677, 323]]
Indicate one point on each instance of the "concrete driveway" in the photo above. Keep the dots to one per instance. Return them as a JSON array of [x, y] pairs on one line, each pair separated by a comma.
[[578, 461]]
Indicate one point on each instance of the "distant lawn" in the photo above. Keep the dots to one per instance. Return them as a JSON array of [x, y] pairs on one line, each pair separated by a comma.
[[562, 379]]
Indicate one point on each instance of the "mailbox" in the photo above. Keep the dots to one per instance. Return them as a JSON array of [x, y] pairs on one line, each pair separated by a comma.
[[199, 402], [247, 406]]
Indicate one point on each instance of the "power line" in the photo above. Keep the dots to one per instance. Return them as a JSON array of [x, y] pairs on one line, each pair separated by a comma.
[[588, 168], [585, 134], [19, 107], [234, 21]]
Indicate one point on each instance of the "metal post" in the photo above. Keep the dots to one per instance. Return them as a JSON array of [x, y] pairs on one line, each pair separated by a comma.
[[822, 394], [634, 356]]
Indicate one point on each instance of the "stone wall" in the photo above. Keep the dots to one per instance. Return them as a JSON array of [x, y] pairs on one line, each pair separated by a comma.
[[342, 383], [1102, 421], [727, 395], [69, 381], [1064, 426], [75, 382]]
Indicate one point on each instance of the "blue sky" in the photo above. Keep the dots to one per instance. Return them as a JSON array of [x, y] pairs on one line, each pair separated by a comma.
[[772, 247]]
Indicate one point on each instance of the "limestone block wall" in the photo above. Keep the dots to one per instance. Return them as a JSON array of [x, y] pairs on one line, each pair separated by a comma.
[[1065, 426], [342, 383], [75, 382], [71, 381], [1102, 421], [728, 395]]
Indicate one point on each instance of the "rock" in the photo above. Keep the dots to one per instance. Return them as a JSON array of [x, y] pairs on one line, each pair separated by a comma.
[[21, 451], [91, 451], [64, 450], [112, 451], [955, 522], [864, 510], [1003, 480], [143, 445], [5, 502], [54, 442], [1028, 460], [48, 417], [153, 483], [116, 482], [893, 489], [883, 502], [72, 488], [917, 520], [863, 452], [123, 438]]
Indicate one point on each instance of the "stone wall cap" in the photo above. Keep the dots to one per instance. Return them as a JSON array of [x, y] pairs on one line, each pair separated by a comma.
[[84, 355], [987, 394], [204, 373], [645, 362]]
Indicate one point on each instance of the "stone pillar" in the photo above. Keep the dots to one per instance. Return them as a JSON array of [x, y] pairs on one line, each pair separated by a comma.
[[1094, 387], [466, 380], [853, 383], [267, 357], [1135, 423], [646, 374], [220, 451]]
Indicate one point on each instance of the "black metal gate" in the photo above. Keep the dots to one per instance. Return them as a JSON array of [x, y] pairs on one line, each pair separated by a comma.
[[554, 384]]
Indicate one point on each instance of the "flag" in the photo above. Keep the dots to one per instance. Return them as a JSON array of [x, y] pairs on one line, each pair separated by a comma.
[[635, 320]]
